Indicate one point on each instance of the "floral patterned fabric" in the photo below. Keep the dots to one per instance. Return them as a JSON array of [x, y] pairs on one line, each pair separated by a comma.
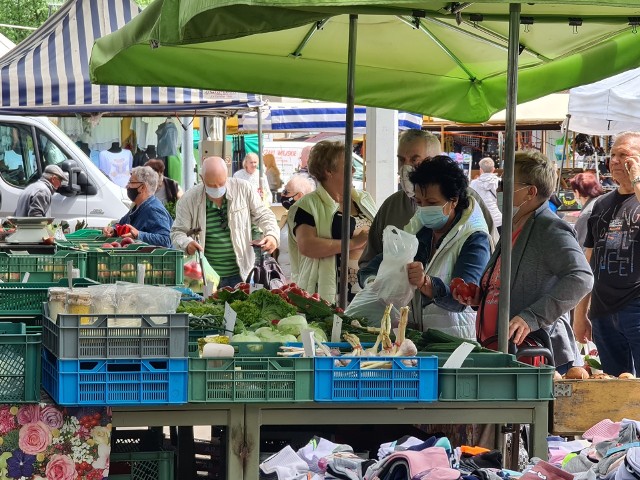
[[47, 442]]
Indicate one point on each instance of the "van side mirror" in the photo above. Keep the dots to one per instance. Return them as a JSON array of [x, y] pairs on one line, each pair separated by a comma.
[[86, 187], [72, 169]]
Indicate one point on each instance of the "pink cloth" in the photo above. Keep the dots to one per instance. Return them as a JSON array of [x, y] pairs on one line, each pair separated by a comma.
[[603, 431], [545, 471]]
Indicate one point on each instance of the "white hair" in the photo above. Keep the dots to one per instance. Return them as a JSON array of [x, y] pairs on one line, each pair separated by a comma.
[[248, 156], [409, 136], [305, 183], [148, 176], [486, 164]]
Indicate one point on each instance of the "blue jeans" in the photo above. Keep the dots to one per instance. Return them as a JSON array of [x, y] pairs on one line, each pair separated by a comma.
[[617, 337], [231, 281]]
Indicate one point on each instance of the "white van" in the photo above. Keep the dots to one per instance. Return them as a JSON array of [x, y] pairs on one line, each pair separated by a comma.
[[27, 146]]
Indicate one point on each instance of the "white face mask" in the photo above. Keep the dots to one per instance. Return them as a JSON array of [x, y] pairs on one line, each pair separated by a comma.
[[500, 202], [214, 192], [405, 183]]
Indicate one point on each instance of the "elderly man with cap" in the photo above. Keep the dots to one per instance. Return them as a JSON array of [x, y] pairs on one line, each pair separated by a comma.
[[220, 211], [35, 200]]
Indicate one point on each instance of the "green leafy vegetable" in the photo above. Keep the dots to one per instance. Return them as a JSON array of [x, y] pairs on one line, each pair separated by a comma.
[[248, 313], [271, 306]]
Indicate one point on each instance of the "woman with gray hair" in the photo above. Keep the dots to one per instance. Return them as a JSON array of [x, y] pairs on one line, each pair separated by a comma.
[[148, 220], [549, 275]]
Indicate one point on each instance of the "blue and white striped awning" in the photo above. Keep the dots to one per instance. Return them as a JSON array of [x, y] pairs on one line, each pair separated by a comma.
[[317, 117], [48, 73]]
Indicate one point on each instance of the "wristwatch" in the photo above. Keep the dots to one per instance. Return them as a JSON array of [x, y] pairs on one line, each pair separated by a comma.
[[634, 181]]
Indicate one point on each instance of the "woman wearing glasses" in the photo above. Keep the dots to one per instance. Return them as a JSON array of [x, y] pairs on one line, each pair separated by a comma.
[[315, 226], [148, 220], [549, 272]]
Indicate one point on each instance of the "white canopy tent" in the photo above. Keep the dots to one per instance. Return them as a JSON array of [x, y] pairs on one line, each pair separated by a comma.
[[607, 107]]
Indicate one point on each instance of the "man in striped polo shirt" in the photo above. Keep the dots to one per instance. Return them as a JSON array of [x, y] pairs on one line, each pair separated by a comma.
[[223, 209]]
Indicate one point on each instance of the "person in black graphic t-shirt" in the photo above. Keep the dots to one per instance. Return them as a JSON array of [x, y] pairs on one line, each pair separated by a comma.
[[611, 313]]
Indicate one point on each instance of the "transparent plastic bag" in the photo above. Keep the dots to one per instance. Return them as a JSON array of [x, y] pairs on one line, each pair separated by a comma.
[[193, 273], [391, 284], [367, 304]]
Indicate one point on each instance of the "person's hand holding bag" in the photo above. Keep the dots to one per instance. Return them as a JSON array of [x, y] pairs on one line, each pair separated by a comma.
[[392, 281]]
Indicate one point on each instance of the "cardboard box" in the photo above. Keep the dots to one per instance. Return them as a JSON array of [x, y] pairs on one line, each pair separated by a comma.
[[580, 404]]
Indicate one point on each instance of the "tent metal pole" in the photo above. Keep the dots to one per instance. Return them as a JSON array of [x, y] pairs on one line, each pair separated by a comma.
[[504, 314], [224, 138], [260, 165], [348, 161], [564, 150]]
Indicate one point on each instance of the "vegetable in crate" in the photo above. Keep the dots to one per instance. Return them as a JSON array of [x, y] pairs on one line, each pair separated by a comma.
[[272, 307], [248, 313]]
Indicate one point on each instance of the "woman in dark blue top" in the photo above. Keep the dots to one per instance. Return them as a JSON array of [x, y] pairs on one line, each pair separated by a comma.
[[148, 220]]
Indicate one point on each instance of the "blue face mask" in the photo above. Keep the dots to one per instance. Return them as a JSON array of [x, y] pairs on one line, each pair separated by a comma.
[[214, 192], [433, 217]]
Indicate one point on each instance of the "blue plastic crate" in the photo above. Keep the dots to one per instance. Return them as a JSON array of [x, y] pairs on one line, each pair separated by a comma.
[[115, 382], [417, 382]]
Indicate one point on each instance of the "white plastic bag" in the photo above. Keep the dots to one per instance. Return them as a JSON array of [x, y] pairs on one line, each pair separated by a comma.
[[366, 304], [391, 284]]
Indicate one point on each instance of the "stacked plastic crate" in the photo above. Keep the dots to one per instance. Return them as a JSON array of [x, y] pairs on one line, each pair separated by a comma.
[[115, 359]]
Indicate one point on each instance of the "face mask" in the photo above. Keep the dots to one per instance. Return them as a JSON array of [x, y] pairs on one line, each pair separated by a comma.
[[500, 202], [288, 201], [405, 183], [433, 217], [214, 192], [132, 193]]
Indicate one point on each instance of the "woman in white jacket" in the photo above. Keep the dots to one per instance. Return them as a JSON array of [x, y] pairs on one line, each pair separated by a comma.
[[315, 226]]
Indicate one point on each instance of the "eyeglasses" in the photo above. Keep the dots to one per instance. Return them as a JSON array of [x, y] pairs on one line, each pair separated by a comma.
[[500, 189], [286, 193], [133, 183]]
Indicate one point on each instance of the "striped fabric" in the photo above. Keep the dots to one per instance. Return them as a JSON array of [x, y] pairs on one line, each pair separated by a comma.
[[319, 117], [218, 247], [48, 73]]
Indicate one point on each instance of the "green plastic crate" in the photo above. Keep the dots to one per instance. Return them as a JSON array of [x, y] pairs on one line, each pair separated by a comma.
[[41, 267], [164, 266], [85, 233], [20, 364], [27, 298], [250, 379], [88, 245], [141, 466], [492, 377]]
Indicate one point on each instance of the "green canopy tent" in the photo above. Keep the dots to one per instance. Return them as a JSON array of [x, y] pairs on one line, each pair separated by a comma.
[[453, 60]]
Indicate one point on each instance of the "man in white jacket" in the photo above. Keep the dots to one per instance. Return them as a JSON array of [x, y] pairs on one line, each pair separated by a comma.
[[487, 187], [220, 211]]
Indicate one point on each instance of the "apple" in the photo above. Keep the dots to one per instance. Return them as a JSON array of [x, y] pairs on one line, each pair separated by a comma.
[[126, 241], [116, 244], [107, 245]]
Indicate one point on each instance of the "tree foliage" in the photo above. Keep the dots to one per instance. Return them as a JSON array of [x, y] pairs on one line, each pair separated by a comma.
[[26, 13], [30, 13]]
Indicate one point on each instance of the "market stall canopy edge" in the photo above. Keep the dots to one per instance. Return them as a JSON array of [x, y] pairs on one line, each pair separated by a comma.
[[48, 73], [452, 66]]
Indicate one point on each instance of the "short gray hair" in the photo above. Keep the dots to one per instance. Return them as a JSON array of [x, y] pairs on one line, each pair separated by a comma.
[[632, 135], [534, 168], [306, 183], [486, 164], [148, 176], [409, 136]]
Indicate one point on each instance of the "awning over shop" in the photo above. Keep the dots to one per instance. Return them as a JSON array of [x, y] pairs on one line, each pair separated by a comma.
[[607, 107], [48, 73], [317, 117]]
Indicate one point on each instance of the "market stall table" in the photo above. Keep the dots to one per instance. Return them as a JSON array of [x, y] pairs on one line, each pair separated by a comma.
[[244, 422]]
